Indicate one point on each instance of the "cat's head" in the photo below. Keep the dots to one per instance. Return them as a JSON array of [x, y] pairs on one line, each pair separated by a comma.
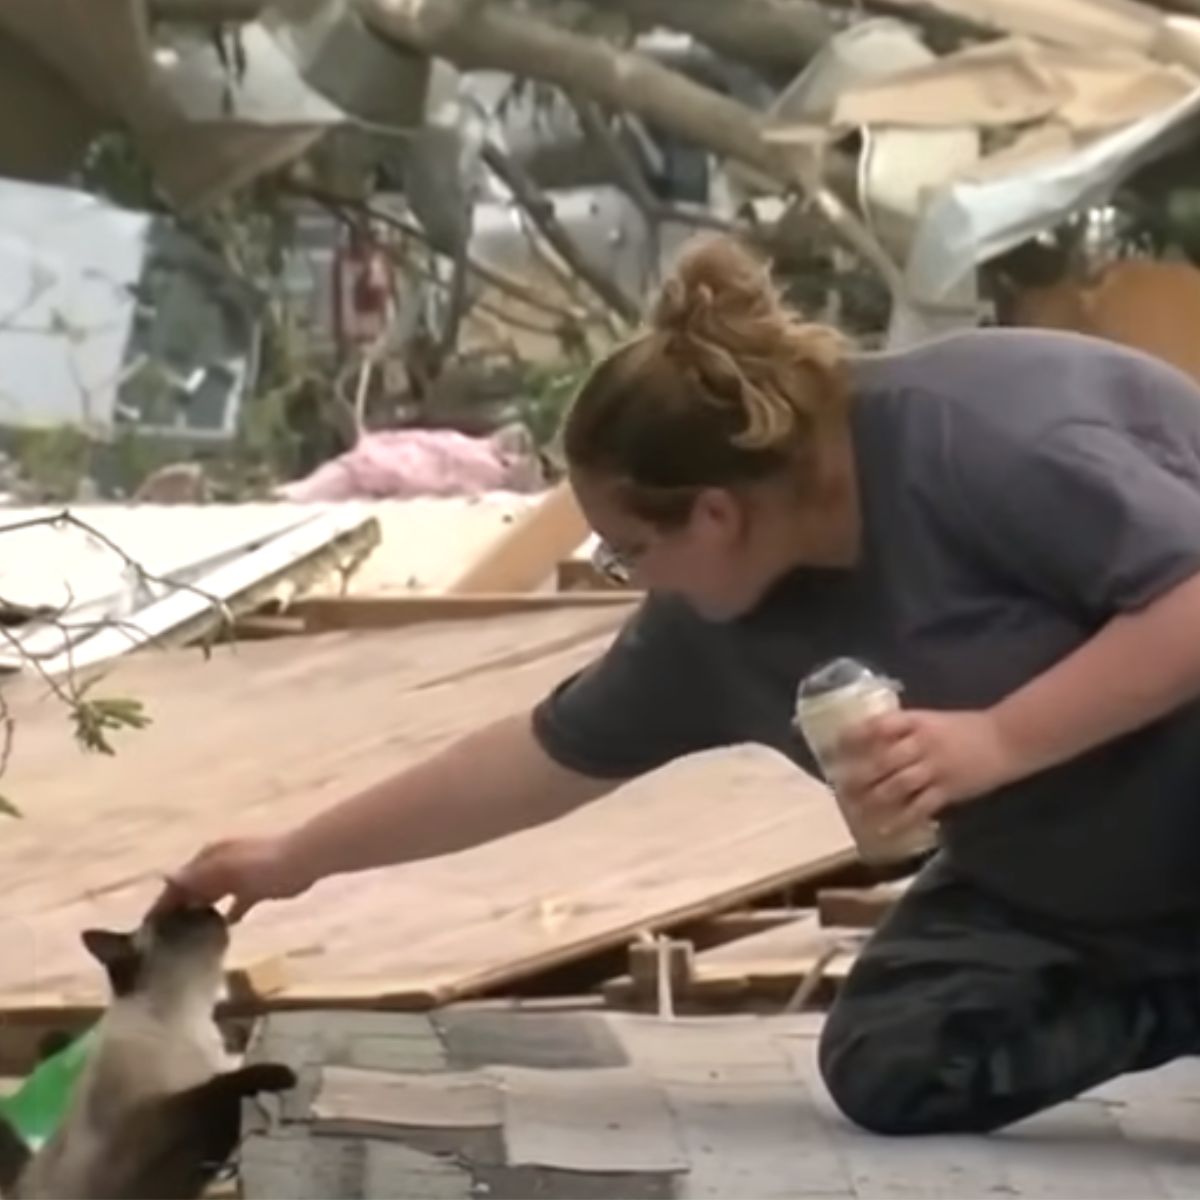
[[174, 951]]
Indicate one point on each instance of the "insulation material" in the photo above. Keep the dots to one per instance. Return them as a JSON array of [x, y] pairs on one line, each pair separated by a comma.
[[401, 463]]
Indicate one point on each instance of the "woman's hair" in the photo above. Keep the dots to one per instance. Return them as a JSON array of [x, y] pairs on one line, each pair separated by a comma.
[[727, 385]]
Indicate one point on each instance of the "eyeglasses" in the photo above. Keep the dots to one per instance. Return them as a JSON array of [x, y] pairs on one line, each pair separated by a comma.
[[611, 564]]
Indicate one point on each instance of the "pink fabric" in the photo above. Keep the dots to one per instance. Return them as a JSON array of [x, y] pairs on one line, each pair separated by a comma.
[[414, 462]]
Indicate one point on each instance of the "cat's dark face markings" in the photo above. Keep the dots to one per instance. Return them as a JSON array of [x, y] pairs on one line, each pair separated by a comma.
[[166, 942]]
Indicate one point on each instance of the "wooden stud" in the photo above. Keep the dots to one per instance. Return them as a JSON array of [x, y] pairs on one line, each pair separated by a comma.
[[526, 556], [326, 614], [859, 908]]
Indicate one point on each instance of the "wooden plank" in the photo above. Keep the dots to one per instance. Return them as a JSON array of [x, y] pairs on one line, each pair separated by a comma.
[[730, 926], [859, 908], [262, 735], [253, 627], [783, 955], [772, 964], [579, 575], [525, 556], [323, 614]]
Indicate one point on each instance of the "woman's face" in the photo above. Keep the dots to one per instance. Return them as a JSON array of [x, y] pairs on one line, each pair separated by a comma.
[[719, 561]]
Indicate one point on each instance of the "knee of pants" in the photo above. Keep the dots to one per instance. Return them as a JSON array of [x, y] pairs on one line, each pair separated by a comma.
[[884, 1079]]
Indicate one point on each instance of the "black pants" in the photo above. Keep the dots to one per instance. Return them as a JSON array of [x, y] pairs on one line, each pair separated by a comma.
[[964, 1015]]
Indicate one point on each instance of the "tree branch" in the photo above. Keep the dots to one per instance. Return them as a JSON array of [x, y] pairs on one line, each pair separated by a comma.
[[773, 33], [630, 177], [206, 12], [541, 212], [489, 274], [495, 37]]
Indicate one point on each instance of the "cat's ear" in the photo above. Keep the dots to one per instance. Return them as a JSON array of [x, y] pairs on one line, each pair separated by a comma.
[[107, 946], [118, 955]]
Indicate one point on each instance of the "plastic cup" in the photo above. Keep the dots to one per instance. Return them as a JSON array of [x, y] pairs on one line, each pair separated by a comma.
[[831, 701]]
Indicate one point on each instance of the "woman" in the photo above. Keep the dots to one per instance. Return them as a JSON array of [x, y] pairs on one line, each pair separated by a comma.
[[1008, 522]]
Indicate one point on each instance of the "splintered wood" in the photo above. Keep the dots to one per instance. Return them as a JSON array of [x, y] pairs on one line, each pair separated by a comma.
[[791, 962], [263, 735]]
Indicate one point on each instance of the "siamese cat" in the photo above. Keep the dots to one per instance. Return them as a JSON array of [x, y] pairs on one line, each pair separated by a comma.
[[156, 1112]]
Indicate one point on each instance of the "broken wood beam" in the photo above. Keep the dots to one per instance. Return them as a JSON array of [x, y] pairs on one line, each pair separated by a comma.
[[579, 575], [644, 969], [732, 926], [859, 908], [528, 553], [327, 614], [795, 963]]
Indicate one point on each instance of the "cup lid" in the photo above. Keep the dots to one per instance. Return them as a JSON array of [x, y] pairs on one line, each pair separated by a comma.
[[834, 675]]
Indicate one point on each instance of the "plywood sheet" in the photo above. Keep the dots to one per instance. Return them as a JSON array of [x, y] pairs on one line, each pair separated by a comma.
[[427, 541], [263, 735]]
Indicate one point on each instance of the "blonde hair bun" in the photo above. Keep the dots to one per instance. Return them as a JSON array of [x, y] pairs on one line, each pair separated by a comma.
[[729, 329], [714, 277]]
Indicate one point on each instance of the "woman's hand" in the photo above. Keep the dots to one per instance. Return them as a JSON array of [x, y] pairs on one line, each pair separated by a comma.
[[908, 766], [247, 869]]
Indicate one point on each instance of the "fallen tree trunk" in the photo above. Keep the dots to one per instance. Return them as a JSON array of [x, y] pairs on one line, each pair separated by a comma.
[[772, 33], [481, 36]]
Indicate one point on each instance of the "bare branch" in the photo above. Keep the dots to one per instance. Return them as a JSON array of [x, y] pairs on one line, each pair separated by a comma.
[[498, 37], [206, 12], [491, 275], [541, 212], [775, 33], [503, 282], [93, 718], [66, 517], [456, 307], [598, 130]]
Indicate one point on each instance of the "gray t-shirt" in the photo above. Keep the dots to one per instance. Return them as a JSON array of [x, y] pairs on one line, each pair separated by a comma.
[[1019, 489]]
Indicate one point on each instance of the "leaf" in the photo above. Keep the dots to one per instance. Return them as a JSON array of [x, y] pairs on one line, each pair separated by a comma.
[[94, 717], [9, 809]]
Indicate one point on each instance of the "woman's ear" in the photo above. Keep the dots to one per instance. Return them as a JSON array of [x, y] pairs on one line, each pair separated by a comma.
[[719, 516]]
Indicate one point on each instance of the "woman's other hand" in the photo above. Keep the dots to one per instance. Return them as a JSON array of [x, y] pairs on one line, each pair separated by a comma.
[[908, 766]]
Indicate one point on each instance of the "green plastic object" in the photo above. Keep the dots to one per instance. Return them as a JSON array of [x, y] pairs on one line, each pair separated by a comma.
[[38, 1105]]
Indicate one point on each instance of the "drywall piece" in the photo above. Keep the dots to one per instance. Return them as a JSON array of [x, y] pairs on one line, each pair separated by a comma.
[[363, 1100], [613, 1121]]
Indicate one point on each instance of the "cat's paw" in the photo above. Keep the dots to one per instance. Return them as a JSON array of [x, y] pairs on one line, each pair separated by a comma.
[[265, 1077]]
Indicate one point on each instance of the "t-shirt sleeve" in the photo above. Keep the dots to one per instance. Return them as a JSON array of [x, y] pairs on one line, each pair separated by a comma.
[[652, 697], [1083, 514]]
